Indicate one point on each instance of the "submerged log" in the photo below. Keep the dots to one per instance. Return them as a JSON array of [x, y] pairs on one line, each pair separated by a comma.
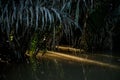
[[69, 50], [67, 58]]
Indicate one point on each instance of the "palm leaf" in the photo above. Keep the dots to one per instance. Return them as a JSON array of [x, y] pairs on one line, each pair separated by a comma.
[[57, 15], [49, 17], [36, 17], [46, 15], [77, 11], [36, 9], [31, 16], [42, 13]]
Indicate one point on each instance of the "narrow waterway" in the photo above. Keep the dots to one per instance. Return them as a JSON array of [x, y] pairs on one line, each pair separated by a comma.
[[57, 66]]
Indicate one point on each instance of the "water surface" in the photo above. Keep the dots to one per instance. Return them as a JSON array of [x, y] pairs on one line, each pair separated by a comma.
[[54, 69]]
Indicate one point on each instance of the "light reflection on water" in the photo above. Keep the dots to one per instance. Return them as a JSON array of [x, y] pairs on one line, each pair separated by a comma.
[[51, 69]]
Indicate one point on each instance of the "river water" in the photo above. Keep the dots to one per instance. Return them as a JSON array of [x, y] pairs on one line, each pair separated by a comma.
[[53, 69]]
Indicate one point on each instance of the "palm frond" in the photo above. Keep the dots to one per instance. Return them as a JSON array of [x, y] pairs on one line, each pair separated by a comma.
[[27, 17]]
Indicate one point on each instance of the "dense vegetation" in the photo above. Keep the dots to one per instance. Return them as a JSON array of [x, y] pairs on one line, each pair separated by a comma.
[[27, 25]]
